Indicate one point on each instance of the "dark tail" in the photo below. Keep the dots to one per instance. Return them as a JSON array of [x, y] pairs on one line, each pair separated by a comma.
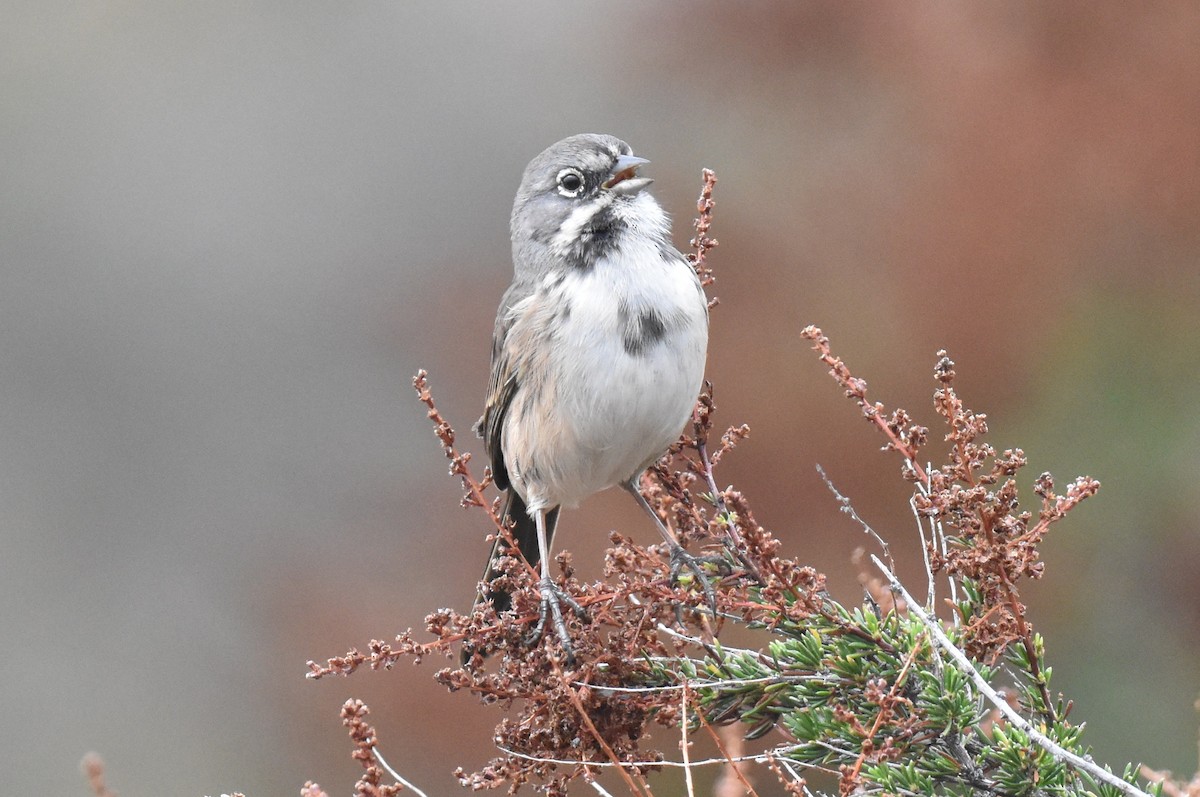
[[525, 533]]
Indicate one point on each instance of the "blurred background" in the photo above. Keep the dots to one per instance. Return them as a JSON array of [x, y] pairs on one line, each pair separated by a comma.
[[230, 232]]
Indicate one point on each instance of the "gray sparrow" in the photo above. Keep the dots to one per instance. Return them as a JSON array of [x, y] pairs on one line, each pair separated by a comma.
[[598, 351]]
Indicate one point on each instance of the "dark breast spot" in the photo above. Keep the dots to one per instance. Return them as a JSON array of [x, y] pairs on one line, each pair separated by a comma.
[[641, 329]]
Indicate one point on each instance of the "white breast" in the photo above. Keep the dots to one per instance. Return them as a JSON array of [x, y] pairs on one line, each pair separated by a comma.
[[611, 411]]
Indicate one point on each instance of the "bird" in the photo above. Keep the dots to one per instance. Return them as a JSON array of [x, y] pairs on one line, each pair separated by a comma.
[[598, 353]]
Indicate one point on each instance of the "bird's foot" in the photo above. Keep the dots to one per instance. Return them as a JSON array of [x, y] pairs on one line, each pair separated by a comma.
[[553, 597], [698, 565]]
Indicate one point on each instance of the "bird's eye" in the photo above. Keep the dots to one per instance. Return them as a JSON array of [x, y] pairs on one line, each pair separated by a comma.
[[570, 182]]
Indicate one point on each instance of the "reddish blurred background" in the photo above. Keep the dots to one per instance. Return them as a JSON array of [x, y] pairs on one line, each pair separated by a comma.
[[232, 232]]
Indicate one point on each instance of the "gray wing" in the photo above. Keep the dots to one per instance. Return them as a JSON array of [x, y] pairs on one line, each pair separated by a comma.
[[503, 386]]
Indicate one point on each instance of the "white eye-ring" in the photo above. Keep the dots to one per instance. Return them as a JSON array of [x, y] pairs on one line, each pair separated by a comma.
[[571, 183]]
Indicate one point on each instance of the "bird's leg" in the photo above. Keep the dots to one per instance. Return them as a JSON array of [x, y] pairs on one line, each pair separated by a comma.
[[552, 595], [679, 557]]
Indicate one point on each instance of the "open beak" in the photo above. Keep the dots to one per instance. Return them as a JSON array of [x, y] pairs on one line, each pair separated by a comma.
[[624, 179]]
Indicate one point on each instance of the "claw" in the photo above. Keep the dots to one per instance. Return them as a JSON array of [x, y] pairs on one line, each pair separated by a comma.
[[681, 559], [551, 609]]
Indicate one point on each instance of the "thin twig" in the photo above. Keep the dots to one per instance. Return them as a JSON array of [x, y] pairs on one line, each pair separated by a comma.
[[857, 389], [965, 666], [591, 781], [787, 764], [458, 461], [733, 682], [758, 758], [612, 755], [395, 775], [683, 744], [718, 498], [731, 520], [931, 590], [942, 545], [701, 244], [730, 760], [671, 632], [885, 710], [848, 509]]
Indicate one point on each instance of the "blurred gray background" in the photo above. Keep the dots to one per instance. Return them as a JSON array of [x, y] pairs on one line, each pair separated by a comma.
[[230, 232]]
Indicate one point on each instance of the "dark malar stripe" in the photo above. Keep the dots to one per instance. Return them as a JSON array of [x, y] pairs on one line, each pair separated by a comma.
[[598, 240]]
